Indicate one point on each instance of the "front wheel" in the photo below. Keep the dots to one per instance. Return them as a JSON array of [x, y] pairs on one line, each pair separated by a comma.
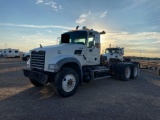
[[66, 82]]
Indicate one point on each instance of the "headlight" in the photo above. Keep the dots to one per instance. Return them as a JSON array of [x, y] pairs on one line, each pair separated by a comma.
[[53, 67]]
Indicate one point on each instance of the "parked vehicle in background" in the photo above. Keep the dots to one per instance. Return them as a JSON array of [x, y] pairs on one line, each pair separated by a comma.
[[115, 52], [1, 51], [25, 56], [11, 53]]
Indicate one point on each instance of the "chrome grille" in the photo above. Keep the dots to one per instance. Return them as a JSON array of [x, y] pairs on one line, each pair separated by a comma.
[[37, 59]]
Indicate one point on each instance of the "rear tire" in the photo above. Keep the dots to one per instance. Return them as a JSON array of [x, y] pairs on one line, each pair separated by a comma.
[[126, 73], [35, 83], [66, 82], [134, 71]]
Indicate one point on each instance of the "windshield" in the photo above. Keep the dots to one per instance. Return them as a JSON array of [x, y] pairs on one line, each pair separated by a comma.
[[112, 51], [77, 37]]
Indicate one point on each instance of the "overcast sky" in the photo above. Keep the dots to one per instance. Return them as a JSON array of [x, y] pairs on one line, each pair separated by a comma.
[[132, 24]]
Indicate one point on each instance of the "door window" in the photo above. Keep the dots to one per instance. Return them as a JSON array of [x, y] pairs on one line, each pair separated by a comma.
[[91, 42]]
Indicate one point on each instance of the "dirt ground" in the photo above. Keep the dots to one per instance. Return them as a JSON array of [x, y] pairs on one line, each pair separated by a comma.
[[106, 99]]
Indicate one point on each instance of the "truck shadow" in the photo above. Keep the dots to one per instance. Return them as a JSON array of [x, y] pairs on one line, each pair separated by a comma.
[[27, 102], [31, 93]]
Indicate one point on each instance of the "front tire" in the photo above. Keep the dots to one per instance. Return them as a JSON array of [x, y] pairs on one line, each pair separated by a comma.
[[66, 82], [35, 83]]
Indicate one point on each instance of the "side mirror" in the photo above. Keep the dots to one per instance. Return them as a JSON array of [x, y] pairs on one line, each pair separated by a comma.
[[59, 40]]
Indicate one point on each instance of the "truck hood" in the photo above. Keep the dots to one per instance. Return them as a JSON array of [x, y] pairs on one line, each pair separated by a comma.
[[61, 49], [55, 53]]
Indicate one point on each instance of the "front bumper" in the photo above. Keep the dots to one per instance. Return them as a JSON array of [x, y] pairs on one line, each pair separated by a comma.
[[39, 77]]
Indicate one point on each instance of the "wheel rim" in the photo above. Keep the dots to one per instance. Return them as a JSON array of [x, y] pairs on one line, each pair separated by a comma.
[[128, 72], [135, 71], [68, 83]]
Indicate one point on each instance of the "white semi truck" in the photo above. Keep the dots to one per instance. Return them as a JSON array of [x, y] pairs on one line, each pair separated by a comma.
[[75, 60], [114, 52]]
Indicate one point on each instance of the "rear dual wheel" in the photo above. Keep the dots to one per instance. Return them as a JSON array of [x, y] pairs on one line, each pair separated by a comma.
[[128, 71], [134, 71]]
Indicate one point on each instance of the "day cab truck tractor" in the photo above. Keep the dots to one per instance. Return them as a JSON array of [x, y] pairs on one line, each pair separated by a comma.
[[75, 60], [115, 53]]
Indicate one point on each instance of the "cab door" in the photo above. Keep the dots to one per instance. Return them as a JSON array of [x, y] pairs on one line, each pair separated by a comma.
[[92, 50]]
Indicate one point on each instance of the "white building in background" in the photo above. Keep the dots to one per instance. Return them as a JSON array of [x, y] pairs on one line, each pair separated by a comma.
[[10, 52]]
